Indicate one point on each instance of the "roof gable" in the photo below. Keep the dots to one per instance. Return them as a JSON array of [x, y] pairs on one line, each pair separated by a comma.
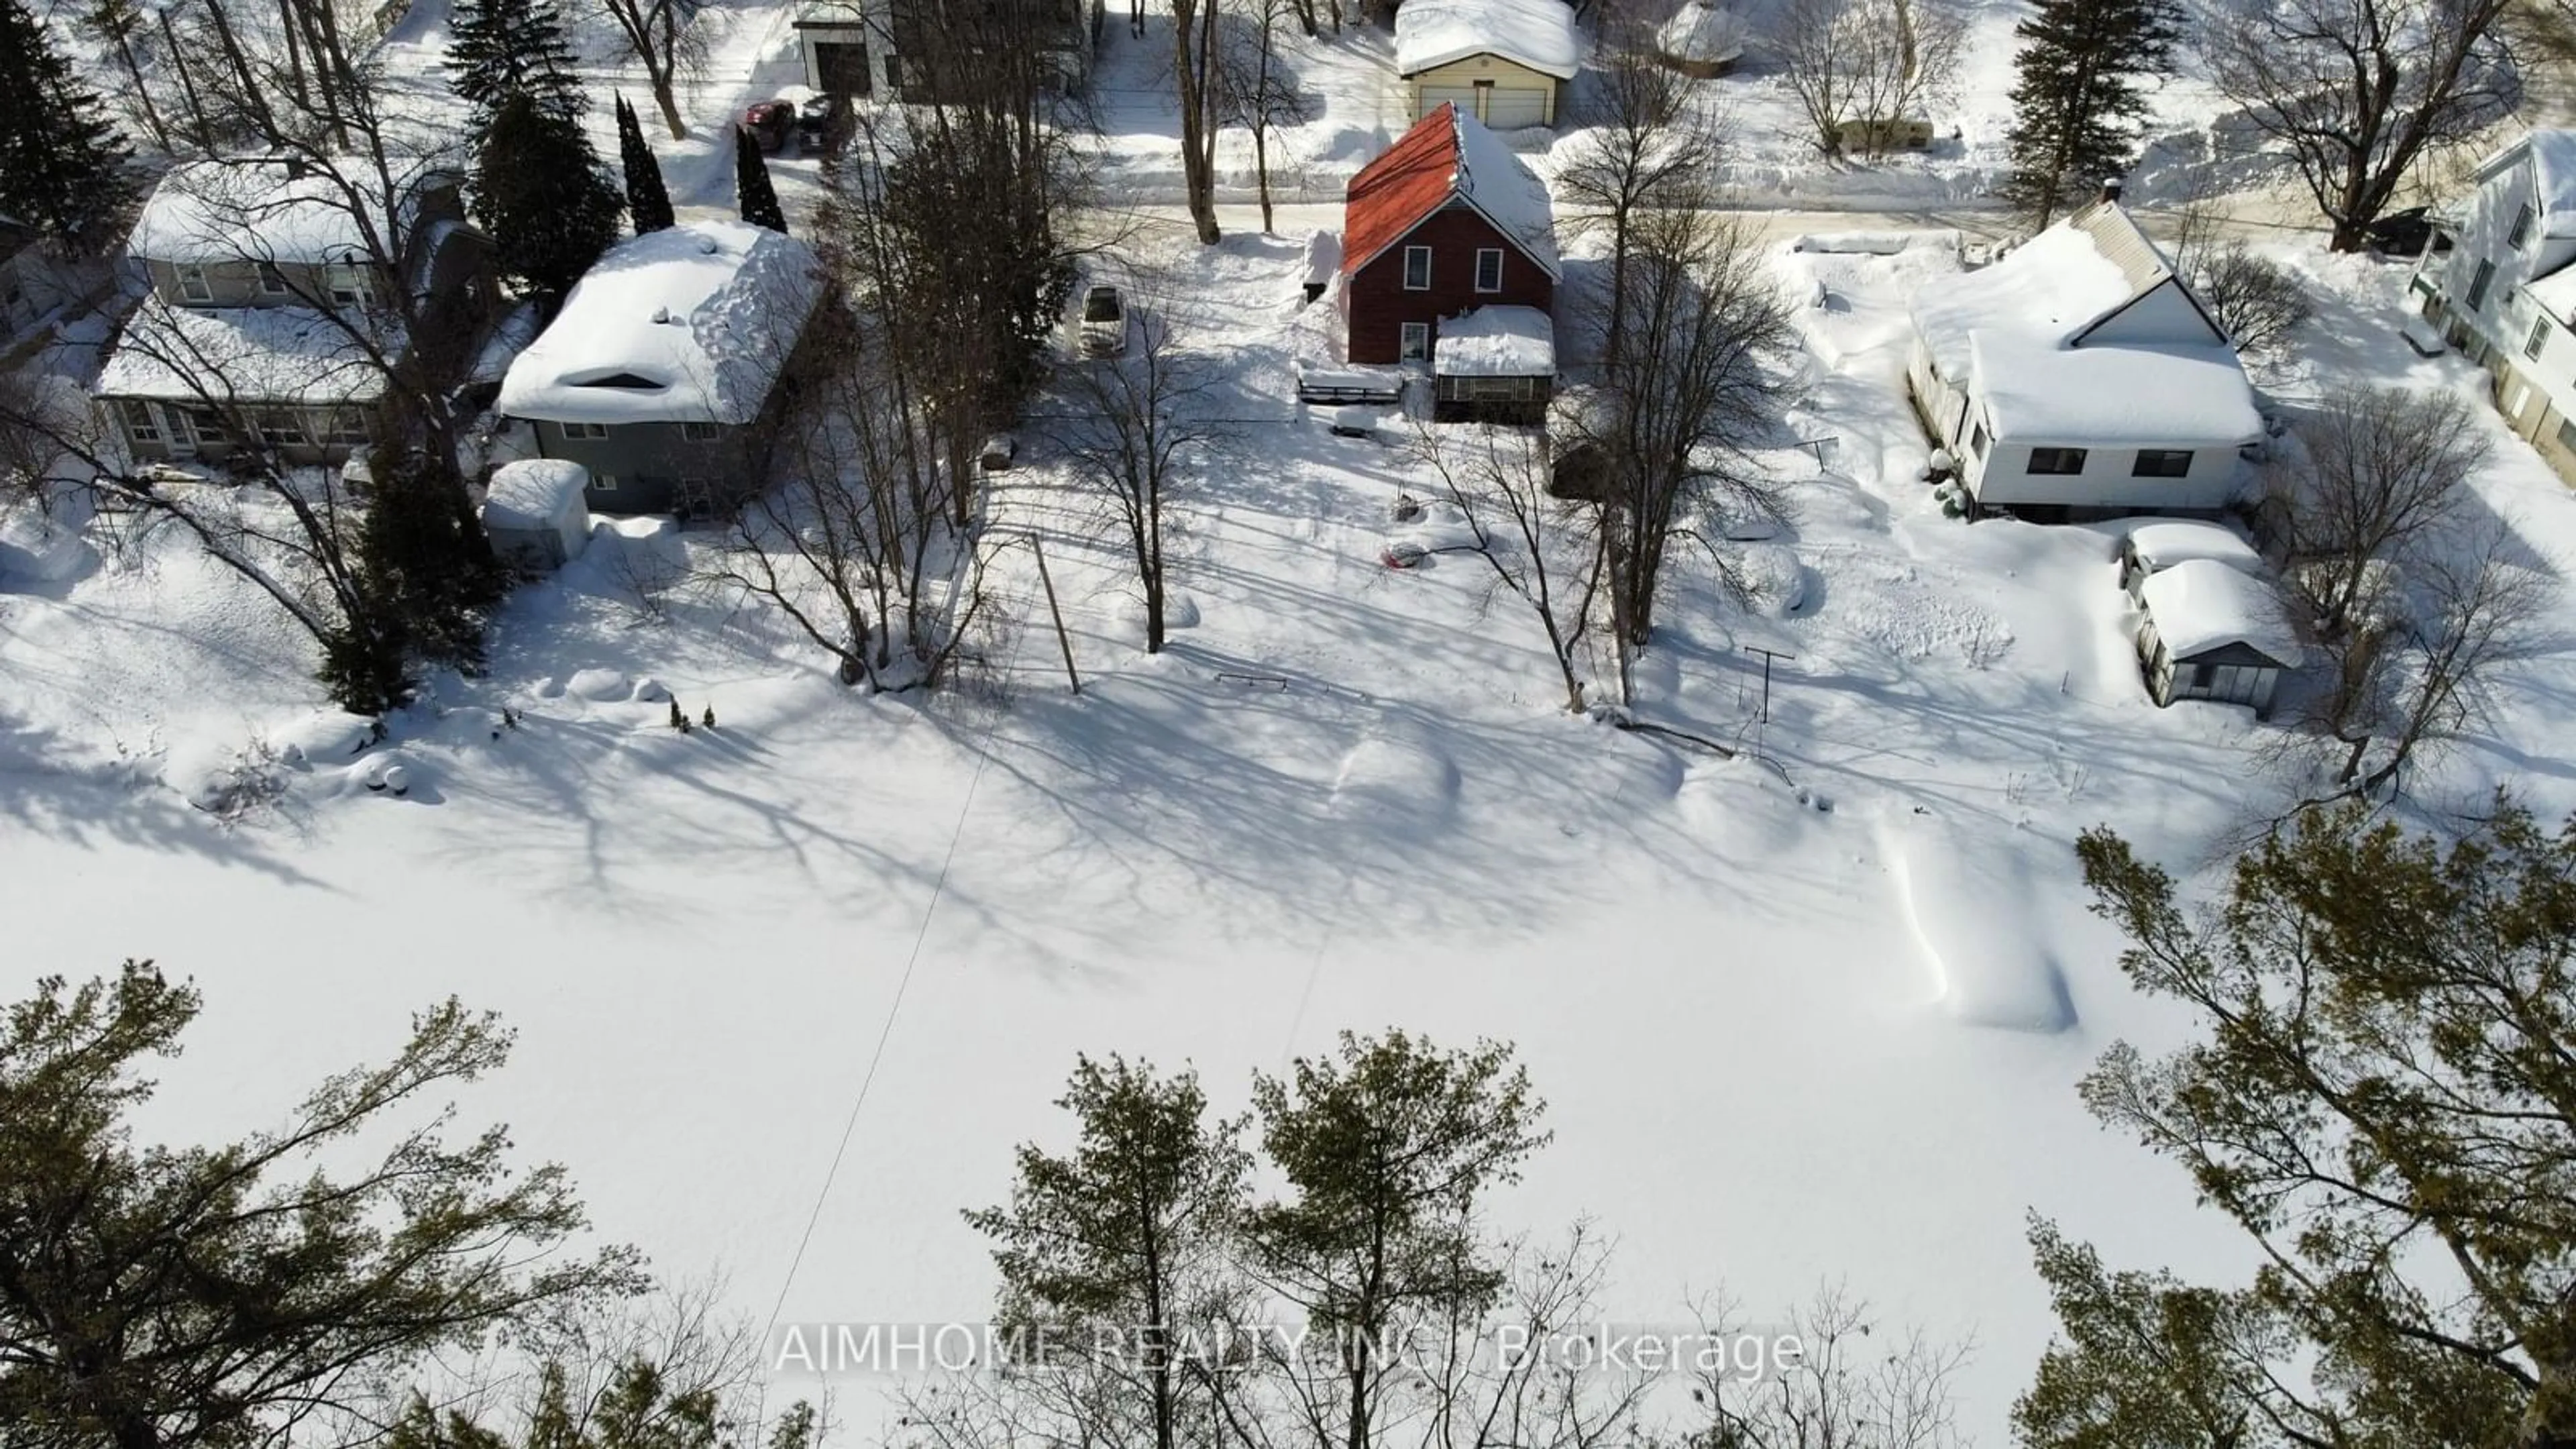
[[1446, 157], [2552, 153]]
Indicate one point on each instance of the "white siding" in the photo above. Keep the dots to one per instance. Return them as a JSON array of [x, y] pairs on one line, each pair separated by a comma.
[[2164, 315], [2482, 236], [2005, 481]]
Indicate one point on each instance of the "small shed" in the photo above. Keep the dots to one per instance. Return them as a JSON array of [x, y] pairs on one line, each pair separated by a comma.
[[1701, 40], [534, 513], [1495, 364], [2213, 632], [2151, 548]]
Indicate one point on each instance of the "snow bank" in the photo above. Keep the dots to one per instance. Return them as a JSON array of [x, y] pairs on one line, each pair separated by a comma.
[[1539, 34], [1392, 780], [36, 549], [2201, 604], [322, 737], [1707, 34], [1967, 898], [599, 685], [1876, 243], [1496, 342], [688, 324]]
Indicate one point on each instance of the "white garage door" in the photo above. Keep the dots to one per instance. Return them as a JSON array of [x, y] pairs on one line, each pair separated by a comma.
[[1433, 97], [1509, 108]]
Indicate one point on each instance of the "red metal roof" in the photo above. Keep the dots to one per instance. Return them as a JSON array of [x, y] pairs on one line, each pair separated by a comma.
[[1393, 193]]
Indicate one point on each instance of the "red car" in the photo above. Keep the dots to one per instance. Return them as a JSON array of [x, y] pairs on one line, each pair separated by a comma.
[[770, 123]]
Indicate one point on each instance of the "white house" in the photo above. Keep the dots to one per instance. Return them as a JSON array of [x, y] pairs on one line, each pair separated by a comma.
[[2497, 283], [2214, 632], [1504, 62], [2079, 378]]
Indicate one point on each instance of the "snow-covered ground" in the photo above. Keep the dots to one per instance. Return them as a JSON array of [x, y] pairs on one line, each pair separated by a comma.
[[1789, 1034]]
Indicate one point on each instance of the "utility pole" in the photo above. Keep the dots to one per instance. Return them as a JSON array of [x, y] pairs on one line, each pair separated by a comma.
[[1767, 656], [1062, 639]]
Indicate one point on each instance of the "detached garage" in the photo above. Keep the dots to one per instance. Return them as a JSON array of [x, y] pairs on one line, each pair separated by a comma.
[[1503, 62], [2213, 632]]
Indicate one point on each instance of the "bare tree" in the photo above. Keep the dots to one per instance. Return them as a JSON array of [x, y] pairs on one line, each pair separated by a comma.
[[1257, 89], [1870, 62], [2356, 92], [1198, 88], [1540, 549], [1640, 148], [2256, 300], [657, 35], [1852, 1385], [2378, 470], [1139, 426]]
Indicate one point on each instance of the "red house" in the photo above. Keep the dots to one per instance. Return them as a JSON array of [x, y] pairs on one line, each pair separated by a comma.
[[1447, 221]]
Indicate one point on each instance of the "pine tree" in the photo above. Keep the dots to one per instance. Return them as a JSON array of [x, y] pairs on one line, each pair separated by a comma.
[[2080, 97], [754, 197], [505, 48], [542, 196], [62, 164], [648, 201], [424, 557]]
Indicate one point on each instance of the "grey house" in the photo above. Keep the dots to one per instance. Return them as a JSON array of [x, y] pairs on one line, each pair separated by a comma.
[[664, 372], [273, 312]]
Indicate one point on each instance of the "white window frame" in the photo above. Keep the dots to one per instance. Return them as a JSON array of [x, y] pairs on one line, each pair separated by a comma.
[[351, 285], [194, 286], [1411, 285], [2519, 235], [2138, 465], [206, 425], [272, 282], [603, 482], [1496, 284], [1404, 347], [337, 425], [281, 428], [2539, 336], [2481, 283], [141, 419], [2082, 457], [582, 432]]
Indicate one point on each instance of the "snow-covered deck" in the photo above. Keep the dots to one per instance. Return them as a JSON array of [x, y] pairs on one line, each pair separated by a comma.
[[1496, 342]]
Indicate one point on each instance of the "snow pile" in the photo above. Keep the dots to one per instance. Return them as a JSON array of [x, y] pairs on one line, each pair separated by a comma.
[[1496, 342], [324, 736], [278, 211], [688, 324], [1539, 34], [1968, 898], [2201, 604], [2167, 542], [534, 494], [1394, 781], [2047, 289], [35, 548], [1502, 187], [2035, 392], [1704, 33], [1876, 243], [260, 354], [601, 686]]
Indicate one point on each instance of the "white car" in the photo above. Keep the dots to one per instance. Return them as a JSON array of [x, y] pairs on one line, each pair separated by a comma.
[[1104, 322]]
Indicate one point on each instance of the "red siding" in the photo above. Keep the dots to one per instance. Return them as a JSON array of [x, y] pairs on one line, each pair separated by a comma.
[[1378, 306]]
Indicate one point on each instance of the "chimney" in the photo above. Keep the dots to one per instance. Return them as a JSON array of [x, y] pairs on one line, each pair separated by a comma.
[[2110, 188]]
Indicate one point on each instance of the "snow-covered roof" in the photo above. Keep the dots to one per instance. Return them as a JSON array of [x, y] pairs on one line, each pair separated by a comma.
[[1496, 342], [534, 493], [2138, 396], [2553, 176], [1502, 186], [288, 355], [688, 324], [2202, 604], [2555, 294], [1539, 34], [2171, 541], [1702, 32], [2049, 288], [277, 211]]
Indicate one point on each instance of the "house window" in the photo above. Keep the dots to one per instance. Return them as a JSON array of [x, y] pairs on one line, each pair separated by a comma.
[[607, 482], [575, 432], [698, 432], [193, 285], [142, 423], [272, 282], [894, 72], [207, 425], [1489, 269], [1417, 341], [1977, 441], [2567, 434], [2156, 463], [2056, 461], [1417, 269], [2478, 285], [340, 426], [2521, 232], [2539, 336], [351, 287], [280, 429]]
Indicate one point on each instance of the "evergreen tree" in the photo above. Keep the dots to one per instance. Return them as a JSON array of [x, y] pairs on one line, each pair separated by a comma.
[[754, 198], [2382, 1096], [542, 196], [505, 48], [2079, 99], [648, 201], [62, 164], [423, 556]]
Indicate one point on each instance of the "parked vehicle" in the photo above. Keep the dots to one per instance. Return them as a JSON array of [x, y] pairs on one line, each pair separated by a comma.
[[2401, 233], [1104, 322], [814, 122], [1000, 451], [770, 123]]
